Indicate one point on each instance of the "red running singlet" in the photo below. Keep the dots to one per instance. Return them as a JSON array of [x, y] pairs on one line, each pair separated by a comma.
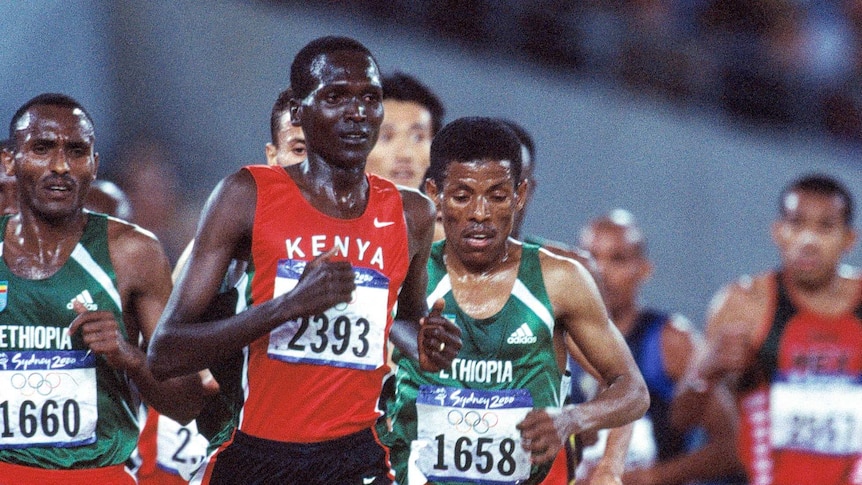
[[801, 420], [319, 378]]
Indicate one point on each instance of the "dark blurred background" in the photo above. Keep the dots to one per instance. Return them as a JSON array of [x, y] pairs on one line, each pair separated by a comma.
[[693, 114]]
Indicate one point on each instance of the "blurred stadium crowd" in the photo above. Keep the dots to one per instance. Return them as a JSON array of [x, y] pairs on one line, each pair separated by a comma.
[[782, 63]]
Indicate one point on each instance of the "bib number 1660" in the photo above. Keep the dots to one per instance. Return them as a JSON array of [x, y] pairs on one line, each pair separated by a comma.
[[484, 455], [49, 420]]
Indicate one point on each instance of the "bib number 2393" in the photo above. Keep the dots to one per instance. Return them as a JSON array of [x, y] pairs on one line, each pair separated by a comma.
[[346, 335], [471, 434]]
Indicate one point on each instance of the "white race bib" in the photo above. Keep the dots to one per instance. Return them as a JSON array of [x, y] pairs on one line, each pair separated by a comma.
[[48, 398], [820, 415], [346, 335], [470, 434], [180, 449]]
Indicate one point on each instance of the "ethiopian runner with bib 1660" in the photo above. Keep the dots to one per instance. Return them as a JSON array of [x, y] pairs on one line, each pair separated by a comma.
[[330, 252], [496, 415], [75, 301]]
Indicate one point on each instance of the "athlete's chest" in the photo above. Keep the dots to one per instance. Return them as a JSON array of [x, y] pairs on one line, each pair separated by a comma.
[[371, 251], [33, 264], [819, 345], [482, 297], [376, 240], [510, 334]]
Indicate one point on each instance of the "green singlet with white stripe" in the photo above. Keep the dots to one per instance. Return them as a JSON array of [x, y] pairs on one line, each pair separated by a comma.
[[34, 318], [513, 349]]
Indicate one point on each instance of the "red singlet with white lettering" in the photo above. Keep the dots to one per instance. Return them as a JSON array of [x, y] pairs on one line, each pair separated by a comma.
[[318, 378]]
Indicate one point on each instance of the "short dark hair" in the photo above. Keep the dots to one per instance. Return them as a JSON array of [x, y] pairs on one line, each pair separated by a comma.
[[402, 87], [45, 99], [823, 185], [282, 105], [474, 138], [300, 70]]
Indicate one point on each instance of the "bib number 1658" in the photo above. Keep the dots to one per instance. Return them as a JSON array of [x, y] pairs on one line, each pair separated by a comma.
[[485, 455]]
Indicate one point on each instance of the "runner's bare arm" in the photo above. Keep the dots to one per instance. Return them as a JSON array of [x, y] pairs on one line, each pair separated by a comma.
[[182, 343]]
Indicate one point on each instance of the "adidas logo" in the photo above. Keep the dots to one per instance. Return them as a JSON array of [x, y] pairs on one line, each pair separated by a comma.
[[86, 299], [523, 335]]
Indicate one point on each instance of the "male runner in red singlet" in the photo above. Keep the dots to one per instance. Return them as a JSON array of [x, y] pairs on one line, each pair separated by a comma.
[[330, 251], [789, 342]]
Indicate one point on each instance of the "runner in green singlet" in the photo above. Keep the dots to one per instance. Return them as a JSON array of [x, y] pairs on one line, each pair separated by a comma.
[[496, 414], [78, 291]]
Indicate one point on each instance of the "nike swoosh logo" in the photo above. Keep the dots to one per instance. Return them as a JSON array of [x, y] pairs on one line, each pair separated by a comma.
[[367, 481], [379, 224]]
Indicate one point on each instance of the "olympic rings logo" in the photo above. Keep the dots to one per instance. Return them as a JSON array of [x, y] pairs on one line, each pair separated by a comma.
[[43, 384], [464, 422]]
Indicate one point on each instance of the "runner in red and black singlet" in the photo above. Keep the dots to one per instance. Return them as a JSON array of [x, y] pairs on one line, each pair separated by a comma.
[[808, 382], [789, 342]]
